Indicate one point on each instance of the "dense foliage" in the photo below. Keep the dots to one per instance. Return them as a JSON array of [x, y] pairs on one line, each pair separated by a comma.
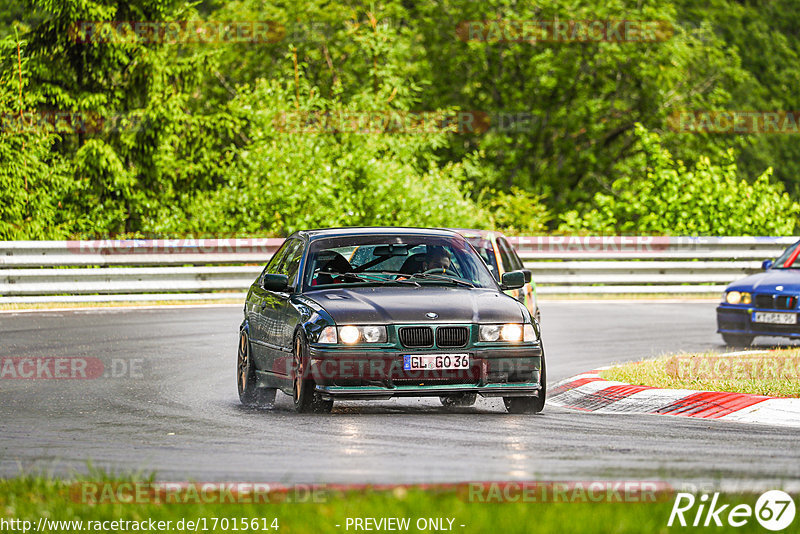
[[165, 137]]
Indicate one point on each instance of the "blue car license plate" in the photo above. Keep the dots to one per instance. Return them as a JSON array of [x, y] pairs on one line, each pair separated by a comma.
[[774, 317]]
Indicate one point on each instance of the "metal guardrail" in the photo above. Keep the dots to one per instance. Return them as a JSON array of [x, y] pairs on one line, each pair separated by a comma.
[[74, 271]]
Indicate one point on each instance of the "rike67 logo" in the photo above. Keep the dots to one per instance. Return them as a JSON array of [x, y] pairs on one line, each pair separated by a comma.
[[774, 510]]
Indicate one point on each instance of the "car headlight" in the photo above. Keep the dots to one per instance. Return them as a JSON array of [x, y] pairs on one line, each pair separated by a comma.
[[362, 334], [528, 333], [328, 335], [511, 332], [738, 297]]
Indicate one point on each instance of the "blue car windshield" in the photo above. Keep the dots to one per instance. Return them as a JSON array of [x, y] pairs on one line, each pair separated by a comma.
[[393, 260], [790, 256]]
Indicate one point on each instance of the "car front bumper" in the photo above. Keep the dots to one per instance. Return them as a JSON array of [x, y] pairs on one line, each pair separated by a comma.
[[379, 374], [738, 320]]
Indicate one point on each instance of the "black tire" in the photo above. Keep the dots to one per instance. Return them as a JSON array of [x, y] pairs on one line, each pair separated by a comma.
[[249, 393], [458, 400], [737, 340], [306, 399], [519, 405]]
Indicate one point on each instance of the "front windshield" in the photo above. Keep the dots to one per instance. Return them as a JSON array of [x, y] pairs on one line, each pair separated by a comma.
[[394, 260], [788, 260]]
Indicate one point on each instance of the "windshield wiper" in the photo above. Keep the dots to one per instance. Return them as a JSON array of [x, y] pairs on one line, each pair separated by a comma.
[[374, 277], [345, 275], [405, 280], [442, 278]]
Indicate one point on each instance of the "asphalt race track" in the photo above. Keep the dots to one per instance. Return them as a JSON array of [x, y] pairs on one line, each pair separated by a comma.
[[178, 413]]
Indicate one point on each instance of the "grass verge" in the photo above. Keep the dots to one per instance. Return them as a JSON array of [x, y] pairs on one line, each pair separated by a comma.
[[32, 498], [774, 373]]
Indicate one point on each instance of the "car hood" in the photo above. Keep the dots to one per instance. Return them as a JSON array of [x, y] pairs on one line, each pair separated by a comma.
[[768, 281], [405, 305]]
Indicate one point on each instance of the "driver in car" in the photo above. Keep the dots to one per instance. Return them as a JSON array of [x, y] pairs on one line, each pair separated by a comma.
[[436, 258]]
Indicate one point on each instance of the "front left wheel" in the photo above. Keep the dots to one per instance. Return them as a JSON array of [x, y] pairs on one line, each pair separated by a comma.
[[527, 405], [249, 392], [306, 398]]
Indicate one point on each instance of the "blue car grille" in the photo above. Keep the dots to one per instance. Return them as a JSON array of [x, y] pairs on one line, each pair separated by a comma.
[[776, 302]]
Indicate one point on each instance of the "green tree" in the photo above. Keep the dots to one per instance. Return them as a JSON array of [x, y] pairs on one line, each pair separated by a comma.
[[665, 196], [287, 179], [152, 144]]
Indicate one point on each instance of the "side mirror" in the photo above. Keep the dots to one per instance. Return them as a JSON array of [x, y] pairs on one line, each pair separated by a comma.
[[766, 265], [512, 280], [527, 274], [275, 282]]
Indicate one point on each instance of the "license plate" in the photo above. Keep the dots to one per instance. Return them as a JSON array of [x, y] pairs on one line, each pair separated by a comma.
[[775, 318], [422, 362]]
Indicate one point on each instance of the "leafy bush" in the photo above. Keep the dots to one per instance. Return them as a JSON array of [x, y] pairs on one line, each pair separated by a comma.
[[287, 178], [33, 179], [516, 212], [672, 199]]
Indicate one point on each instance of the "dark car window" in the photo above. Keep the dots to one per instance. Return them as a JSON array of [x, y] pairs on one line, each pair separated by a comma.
[[505, 257], [785, 257], [515, 262], [275, 261], [290, 262], [484, 249], [352, 259]]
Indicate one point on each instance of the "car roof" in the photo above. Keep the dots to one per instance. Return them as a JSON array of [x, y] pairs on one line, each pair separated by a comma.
[[471, 233], [345, 231]]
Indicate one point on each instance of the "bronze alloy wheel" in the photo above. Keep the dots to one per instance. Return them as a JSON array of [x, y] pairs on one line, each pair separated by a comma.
[[306, 399], [249, 392]]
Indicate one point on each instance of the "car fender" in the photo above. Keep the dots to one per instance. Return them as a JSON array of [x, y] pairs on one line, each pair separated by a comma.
[[313, 318]]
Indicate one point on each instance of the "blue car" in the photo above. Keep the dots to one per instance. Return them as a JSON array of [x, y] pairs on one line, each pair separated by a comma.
[[763, 304]]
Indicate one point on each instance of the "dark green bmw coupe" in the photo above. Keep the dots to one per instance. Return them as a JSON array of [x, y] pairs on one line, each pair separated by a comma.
[[376, 313]]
